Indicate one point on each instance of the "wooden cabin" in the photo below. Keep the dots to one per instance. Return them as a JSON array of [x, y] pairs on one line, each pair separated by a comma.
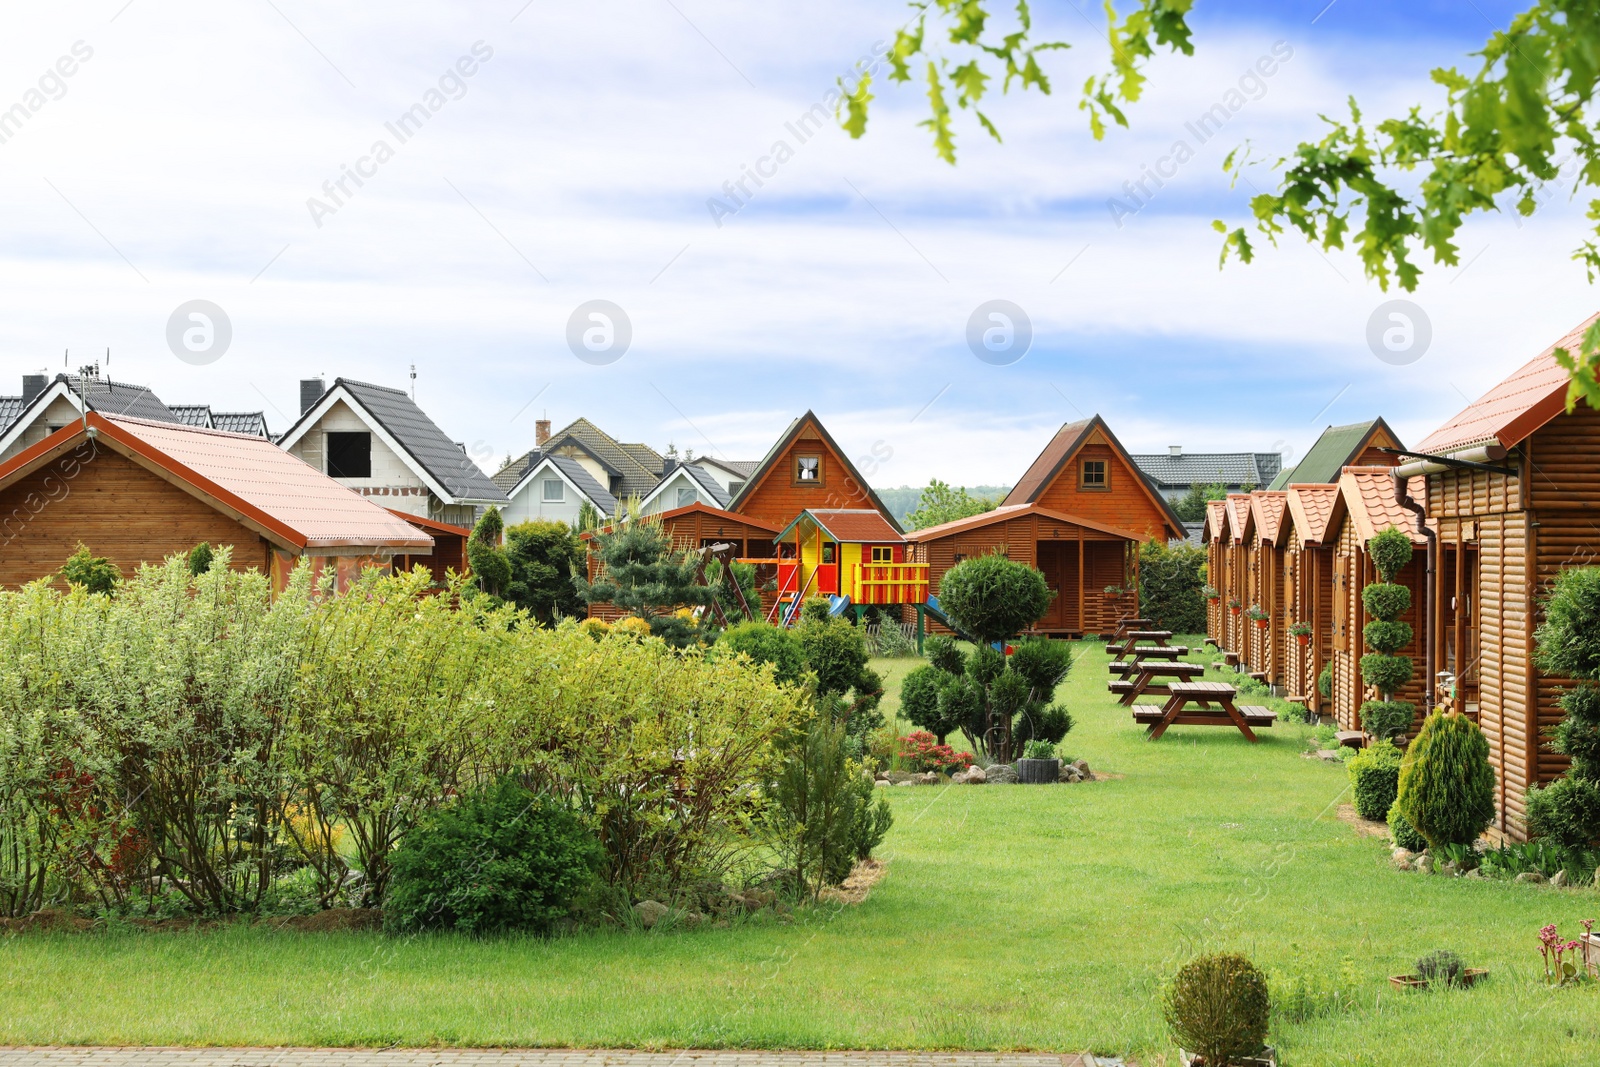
[[1240, 554], [137, 491], [1513, 482], [1264, 650], [1214, 535], [1078, 514], [1308, 563], [805, 469], [1367, 505]]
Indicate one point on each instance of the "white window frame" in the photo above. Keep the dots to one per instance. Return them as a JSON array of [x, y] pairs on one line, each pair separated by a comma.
[[561, 491]]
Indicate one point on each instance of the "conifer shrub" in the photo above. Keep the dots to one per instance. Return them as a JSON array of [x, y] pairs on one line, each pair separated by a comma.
[[1218, 1007], [1390, 550], [1568, 644], [1405, 835], [1375, 779], [1446, 783], [1388, 719]]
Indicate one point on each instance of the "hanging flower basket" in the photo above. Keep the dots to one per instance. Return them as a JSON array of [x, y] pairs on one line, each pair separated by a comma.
[[1235, 607], [1302, 639]]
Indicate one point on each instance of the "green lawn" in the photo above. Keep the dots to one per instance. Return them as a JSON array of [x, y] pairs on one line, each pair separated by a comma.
[[1011, 917]]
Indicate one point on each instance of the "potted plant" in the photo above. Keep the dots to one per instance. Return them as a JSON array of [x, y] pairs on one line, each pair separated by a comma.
[[1113, 593], [1219, 1007], [1258, 616], [1038, 764], [1210, 593], [1301, 632], [1234, 605], [1442, 968]]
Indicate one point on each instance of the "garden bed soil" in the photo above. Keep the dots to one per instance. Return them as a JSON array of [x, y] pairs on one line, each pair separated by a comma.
[[858, 884], [47, 920], [1364, 827]]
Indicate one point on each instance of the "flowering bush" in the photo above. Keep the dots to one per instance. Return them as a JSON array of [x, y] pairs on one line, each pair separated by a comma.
[[921, 751], [1559, 967]]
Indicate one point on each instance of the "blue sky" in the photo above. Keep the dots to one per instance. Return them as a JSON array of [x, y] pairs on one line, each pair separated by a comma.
[[577, 162]]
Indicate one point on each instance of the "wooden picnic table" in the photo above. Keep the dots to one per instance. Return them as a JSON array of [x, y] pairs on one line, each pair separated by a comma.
[[1124, 625], [1145, 674], [1212, 706], [1132, 638], [1141, 652]]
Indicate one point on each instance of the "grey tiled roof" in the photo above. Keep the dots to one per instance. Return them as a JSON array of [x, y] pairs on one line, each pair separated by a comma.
[[10, 408], [586, 484], [421, 437], [118, 398], [708, 485], [253, 423], [637, 467], [193, 414], [1208, 468]]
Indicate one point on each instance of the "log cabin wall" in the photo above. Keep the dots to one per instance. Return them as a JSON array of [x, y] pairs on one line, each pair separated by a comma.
[[120, 510], [781, 496]]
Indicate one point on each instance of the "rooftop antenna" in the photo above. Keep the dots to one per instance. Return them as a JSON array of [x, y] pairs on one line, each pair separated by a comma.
[[413, 381]]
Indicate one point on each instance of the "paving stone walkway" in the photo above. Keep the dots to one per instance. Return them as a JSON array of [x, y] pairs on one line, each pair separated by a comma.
[[87, 1056]]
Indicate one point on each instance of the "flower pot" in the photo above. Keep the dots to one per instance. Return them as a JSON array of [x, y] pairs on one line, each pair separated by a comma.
[[1411, 981], [1235, 610], [1261, 624], [1038, 771], [1302, 639]]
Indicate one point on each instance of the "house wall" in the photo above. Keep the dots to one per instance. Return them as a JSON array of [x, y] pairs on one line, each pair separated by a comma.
[[393, 483], [530, 503], [58, 413], [1217, 578], [1125, 503], [668, 498], [777, 500], [117, 508]]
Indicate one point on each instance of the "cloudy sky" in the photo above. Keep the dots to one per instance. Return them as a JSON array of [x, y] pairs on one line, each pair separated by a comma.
[[195, 150]]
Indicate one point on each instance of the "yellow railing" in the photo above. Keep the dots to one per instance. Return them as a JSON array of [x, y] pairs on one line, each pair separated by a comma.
[[891, 577]]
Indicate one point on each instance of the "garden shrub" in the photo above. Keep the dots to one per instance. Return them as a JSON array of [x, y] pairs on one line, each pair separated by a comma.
[[1042, 662], [985, 664], [200, 557], [1441, 966], [1325, 682], [1568, 643], [1038, 750], [644, 575], [1384, 601], [945, 654], [491, 569], [1002, 702], [815, 609], [1219, 1007], [824, 814], [1388, 673], [1170, 586], [920, 751], [97, 574], [500, 858], [542, 556], [1375, 779], [1446, 783], [1387, 635], [1577, 736], [835, 652], [919, 701], [1049, 724], [1385, 719], [764, 643], [1567, 811], [1405, 835], [992, 598]]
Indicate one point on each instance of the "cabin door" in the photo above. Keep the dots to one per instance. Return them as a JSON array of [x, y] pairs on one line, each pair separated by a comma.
[[1058, 561]]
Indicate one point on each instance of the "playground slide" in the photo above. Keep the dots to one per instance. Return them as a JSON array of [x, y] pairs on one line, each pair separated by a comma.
[[942, 619], [838, 605]]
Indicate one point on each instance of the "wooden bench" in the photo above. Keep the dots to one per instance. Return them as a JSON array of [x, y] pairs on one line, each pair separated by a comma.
[[1202, 704], [1230, 658], [1125, 667], [1254, 714], [1351, 738], [1145, 677], [1147, 651]]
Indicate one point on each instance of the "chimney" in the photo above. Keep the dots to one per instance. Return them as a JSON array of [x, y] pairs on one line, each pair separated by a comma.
[[1175, 450], [541, 432], [33, 385], [311, 390]]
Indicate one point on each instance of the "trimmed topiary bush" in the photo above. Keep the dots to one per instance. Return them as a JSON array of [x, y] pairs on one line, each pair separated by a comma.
[[1578, 735], [1446, 783], [1218, 1007], [1405, 835], [1375, 779], [1386, 636], [1384, 601], [1388, 718], [1567, 811], [919, 701], [1390, 550], [502, 858], [1569, 638], [945, 654], [1388, 673], [993, 598]]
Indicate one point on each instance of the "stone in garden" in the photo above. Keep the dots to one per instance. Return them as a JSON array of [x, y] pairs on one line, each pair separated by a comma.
[[1530, 876], [694, 919], [1402, 858], [1597, 877], [931, 778], [650, 912], [881, 781], [1449, 868], [1069, 773], [1425, 863], [908, 781], [1474, 873], [1559, 879], [975, 775], [1001, 774]]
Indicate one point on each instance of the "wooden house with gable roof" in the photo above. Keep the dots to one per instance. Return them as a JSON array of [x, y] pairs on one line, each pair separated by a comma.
[[1078, 514], [1264, 649], [1513, 482], [1308, 587]]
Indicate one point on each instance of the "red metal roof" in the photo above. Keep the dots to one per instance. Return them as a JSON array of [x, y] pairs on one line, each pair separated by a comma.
[[247, 477], [1310, 507], [1015, 511], [1531, 396], [1216, 519], [1268, 507], [854, 525], [1369, 495]]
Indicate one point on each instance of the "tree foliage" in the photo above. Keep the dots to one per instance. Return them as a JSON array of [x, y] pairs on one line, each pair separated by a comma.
[[643, 574], [993, 598], [491, 569], [543, 557], [941, 504], [1170, 581], [1191, 507], [1446, 788], [96, 574], [1498, 137]]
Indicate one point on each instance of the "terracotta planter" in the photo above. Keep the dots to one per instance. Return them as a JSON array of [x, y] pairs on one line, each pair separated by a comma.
[[1302, 639], [1261, 624], [1411, 981], [1235, 610]]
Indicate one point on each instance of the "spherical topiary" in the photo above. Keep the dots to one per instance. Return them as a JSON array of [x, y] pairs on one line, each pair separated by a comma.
[[1388, 718], [1388, 673], [993, 598], [1569, 638], [1446, 783], [1218, 1007], [1374, 779], [1384, 601], [1567, 811], [1386, 635], [1044, 663], [1390, 551], [945, 654], [1405, 835]]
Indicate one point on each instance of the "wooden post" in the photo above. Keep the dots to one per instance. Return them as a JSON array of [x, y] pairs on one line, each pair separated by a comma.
[[1081, 630]]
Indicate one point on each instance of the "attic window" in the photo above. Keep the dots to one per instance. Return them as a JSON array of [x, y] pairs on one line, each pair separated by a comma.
[[685, 496], [350, 454], [1094, 474], [808, 470], [555, 491]]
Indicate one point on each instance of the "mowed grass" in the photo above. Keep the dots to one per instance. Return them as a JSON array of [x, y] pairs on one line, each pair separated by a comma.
[[1011, 917]]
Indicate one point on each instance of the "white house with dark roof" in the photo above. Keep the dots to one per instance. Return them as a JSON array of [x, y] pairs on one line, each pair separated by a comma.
[[378, 442], [731, 474], [682, 485], [1175, 470], [621, 469], [49, 404], [555, 487]]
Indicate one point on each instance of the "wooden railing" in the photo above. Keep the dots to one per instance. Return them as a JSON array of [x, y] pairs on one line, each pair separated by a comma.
[[887, 583]]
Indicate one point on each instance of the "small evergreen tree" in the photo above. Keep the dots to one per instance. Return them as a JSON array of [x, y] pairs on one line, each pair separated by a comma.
[[1191, 507], [993, 598], [1446, 787], [1568, 645], [1390, 550], [95, 573], [641, 573], [490, 567], [543, 556], [200, 558]]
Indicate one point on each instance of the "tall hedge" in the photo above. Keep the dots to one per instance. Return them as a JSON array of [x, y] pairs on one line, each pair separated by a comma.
[[1568, 645], [1170, 580]]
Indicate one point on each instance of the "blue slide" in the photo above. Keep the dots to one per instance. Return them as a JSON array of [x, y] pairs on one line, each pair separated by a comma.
[[943, 620], [837, 605]]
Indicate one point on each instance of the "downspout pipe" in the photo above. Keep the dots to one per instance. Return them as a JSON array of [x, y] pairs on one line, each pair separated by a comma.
[[1402, 496]]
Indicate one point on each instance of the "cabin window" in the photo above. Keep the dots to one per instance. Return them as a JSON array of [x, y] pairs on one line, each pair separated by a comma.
[[827, 552], [882, 554], [350, 455], [685, 496], [555, 491], [1094, 474], [808, 470]]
